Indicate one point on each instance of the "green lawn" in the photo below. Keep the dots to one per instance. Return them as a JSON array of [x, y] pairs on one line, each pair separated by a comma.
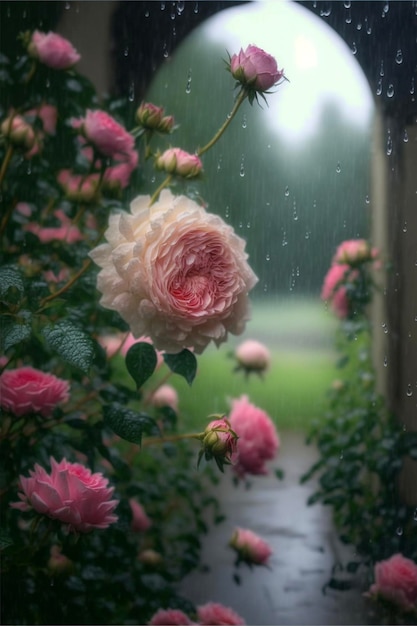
[[299, 334]]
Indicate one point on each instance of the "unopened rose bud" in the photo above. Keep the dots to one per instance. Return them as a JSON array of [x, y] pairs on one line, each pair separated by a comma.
[[255, 69], [250, 548], [177, 161], [18, 131], [219, 442], [59, 563], [165, 395], [167, 124], [150, 557], [149, 115], [353, 252], [252, 356]]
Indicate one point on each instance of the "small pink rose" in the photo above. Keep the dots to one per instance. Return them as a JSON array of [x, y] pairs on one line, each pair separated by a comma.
[[253, 356], [177, 161], [107, 135], [65, 232], [255, 69], [77, 187], [27, 390], [53, 50], [215, 613], [334, 289], [396, 581], [169, 617], [353, 251], [71, 493], [165, 395], [250, 548]]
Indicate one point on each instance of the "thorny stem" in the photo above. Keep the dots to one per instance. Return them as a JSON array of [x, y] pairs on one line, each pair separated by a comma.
[[240, 98], [6, 161], [150, 441]]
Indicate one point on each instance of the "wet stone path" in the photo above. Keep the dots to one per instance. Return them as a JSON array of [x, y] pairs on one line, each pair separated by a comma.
[[304, 543]]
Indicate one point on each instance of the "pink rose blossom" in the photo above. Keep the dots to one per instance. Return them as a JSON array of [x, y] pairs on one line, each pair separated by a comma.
[[24, 209], [396, 581], [219, 441], [353, 251], [53, 50], [118, 176], [258, 440], [255, 69], [140, 521], [71, 493], [174, 273], [250, 547], [253, 356], [169, 617], [65, 232], [214, 613], [165, 395], [107, 135], [27, 390], [334, 291], [177, 161]]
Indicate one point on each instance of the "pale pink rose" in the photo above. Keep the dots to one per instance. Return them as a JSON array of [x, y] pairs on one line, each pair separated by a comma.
[[174, 273], [140, 521], [53, 50], [118, 176], [396, 581], [253, 356], [250, 547], [65, 232], [334, 291], [215, 613], [19, 132], [219, 441], [77, 187], [258, 440], [71, 493], [169, 617], [255, 68], [107, 135], [353, 251], [165, 395], [177, 161], [27, 390]]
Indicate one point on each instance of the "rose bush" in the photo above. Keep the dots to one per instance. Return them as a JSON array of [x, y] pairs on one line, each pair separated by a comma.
[[174, 273]]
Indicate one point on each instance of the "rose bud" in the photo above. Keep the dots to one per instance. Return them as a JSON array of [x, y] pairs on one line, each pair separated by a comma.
[[219, 442], [250, 548], [18, 131], [177, 161], [252, 356], [255, 69], [149, 115]]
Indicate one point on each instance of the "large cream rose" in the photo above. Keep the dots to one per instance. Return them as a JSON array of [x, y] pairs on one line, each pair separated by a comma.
[[174, 273]]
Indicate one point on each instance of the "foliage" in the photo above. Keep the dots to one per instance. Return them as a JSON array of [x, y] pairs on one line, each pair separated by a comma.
[[362, 445]]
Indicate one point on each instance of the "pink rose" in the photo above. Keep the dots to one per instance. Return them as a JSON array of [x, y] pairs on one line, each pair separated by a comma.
[[255, 69], [107, 135], [77, 187], [169, 617], [140, 521], [334, 291], [253, 356], [250, 547], [174, 273], [177, 161], [65, 232], [353, 251], [71, 493], [53, 50], [19, 132], [118, 176], [27, 390], [165, 395], [258, 440], [214, 613], [396, 581], [48, 114]]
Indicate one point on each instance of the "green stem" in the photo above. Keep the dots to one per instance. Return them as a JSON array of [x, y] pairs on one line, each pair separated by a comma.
[[162, 186], [240, 98], [150, 441], [6, 161], [6, 217]]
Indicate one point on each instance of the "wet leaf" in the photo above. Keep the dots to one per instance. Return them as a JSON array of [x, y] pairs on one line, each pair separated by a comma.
[[141, 361], [184, 363], [71, 343]]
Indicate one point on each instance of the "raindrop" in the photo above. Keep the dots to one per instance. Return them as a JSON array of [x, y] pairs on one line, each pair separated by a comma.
[[126, 52], [188, 86], [389, 144], [172, 15], [368, 27], [385, 328], [47, 83], [412, 88], [227, 212], [284, 239], [265, 287], [385, 361], [341, 456], [348, 19], [131, 95], [307, 235], [405, 227], [286, 191], [399, 57], [359, 26], [244, 122], [390, 90], [147, 13], [326, 11], [196, 8], [219, 163], [385, 9], [165, 49], [399, 531], [268, 257], [379, 87], [180, 6], [367, 199], [347, 4], [297, 271], [405, 136], [338, 168], [52, 582], [295, 214], [162, 6], [415, 515], [248, 225], [381, 69], [242, 166], [353, 48], [29, 170], [67, 6]]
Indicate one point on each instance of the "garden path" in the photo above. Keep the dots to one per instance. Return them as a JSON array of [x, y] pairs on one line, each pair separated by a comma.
[[305, 548]]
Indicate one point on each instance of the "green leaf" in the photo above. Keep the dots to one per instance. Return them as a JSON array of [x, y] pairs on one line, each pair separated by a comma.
[[184, 363], [71, 343], [13, 331], [129, 424], [11, 285], [141, 361]]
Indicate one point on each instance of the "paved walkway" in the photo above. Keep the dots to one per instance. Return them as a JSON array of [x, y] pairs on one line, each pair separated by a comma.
[[305, 549]]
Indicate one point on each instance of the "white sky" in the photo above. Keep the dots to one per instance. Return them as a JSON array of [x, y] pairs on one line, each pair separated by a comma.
[[318, 63]]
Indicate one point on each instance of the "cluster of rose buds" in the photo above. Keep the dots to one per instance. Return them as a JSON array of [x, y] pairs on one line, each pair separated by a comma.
[[151, 117]]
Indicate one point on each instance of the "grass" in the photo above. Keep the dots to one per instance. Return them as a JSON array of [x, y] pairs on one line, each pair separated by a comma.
[[299, 333]]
